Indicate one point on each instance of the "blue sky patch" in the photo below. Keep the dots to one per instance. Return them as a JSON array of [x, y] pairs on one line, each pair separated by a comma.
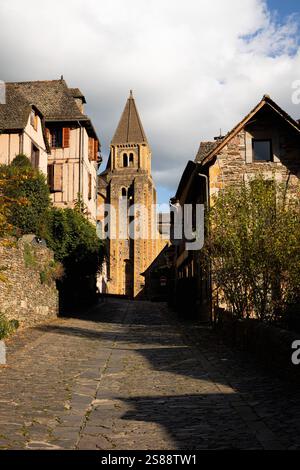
[[284, 7]]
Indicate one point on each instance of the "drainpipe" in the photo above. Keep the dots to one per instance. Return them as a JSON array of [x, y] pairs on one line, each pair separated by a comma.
[[80, 192]]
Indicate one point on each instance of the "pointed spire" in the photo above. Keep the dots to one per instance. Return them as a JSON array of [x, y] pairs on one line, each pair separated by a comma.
[[130, 128]]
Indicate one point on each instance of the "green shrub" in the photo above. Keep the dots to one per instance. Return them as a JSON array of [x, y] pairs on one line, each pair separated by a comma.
[[22, 161], [28, 188], [74, 241], [52, 272], [76, 246], [254, 248], [29, 256], [78, 251]]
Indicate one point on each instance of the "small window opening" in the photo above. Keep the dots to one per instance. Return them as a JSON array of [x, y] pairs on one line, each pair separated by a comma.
[[125, 160], [262, 150]]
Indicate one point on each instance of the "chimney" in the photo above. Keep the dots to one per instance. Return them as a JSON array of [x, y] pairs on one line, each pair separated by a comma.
[[79, 98], [80, 104], [219, 137]]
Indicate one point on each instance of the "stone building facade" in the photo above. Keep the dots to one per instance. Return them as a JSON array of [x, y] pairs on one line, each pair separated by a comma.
[[265, 142], [127, 179], [27, 294]]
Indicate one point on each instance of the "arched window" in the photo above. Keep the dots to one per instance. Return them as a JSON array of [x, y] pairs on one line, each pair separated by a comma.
[[124, 193], [125, 160], [131, 157]]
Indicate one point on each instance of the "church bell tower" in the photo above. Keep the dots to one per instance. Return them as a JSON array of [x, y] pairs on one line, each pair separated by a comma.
[[128, 176]]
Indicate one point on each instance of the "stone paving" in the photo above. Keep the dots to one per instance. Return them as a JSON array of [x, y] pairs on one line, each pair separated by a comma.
[[129, 376]]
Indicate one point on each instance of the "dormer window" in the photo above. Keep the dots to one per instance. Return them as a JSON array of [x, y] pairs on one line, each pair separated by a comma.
[[262, 150]]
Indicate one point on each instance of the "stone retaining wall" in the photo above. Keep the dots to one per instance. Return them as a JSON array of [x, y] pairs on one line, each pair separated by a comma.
[[27, 294], [270, 345]]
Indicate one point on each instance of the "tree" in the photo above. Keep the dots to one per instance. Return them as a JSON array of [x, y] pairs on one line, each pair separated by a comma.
[[27, 197], [254, 248], [76, 245], [26, 208], [21, 161]]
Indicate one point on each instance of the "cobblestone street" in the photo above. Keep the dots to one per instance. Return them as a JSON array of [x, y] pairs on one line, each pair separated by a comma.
[[128, 376]]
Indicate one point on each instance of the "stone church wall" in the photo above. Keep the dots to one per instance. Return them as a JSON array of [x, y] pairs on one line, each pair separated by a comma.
[[27, 291]]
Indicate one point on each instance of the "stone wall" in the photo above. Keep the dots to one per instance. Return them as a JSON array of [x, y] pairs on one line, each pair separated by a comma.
[[269, 345], [27, 291]]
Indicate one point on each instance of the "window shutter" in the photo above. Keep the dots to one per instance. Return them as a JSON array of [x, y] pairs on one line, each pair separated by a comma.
[[96, 148], [57, 179], [91, 144], [50, 172], [66, 137]]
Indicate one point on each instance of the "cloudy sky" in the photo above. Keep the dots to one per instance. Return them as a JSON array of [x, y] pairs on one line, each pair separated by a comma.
[[196, 66]]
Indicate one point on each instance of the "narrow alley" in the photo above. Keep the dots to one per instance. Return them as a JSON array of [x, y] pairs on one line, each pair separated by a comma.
[[128, 376]]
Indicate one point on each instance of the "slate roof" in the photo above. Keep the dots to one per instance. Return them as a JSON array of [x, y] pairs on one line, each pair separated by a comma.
[[14, 113], [54, 100], [130, 129], [204, 149]]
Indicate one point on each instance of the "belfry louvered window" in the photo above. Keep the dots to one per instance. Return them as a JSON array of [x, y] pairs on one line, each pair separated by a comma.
[[125, 160]]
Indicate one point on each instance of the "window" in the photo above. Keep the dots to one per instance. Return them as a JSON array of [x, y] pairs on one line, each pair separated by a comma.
[[125, 160], [262, 150], [59, 137], [56, 137], [131, 159], [124, 193]]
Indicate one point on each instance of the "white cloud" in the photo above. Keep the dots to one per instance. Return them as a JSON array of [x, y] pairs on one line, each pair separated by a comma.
[[195, 66]]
